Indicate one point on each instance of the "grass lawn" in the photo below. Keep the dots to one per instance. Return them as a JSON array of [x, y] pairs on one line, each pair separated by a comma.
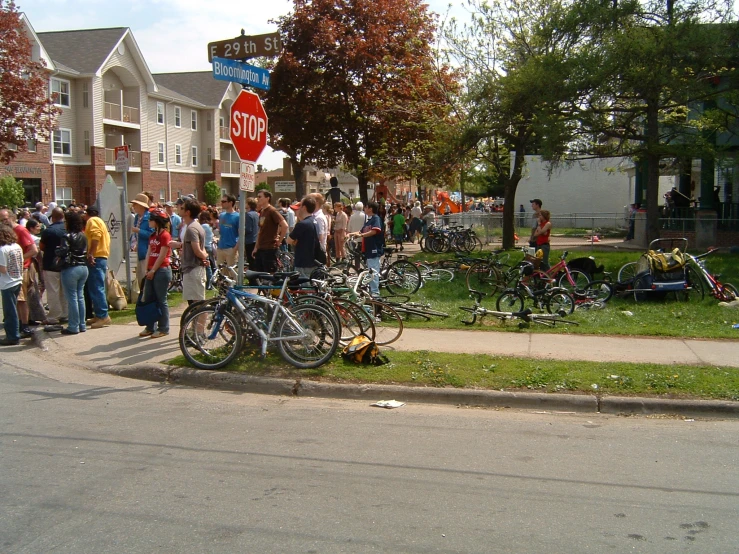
[[668, 318], [433, 369]]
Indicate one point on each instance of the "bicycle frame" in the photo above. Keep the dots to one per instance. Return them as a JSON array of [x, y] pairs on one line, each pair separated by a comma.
[[718, 289]]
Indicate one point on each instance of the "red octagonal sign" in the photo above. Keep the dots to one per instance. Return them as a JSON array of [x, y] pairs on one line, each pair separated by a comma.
[[248, 129]]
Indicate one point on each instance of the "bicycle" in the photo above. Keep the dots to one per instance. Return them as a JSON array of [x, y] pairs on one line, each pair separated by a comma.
[[527, 316], [723, 292], [536, 287], [212, 336], [398, 277]]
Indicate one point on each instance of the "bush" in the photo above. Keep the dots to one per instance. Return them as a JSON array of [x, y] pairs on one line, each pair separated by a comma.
[[12, 193], [212, 193]]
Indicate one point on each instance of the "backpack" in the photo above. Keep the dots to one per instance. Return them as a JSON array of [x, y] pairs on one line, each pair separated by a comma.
[[363, 350]]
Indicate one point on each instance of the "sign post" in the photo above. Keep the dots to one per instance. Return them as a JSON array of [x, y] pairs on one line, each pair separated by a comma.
[[248, 132], [122, 165]]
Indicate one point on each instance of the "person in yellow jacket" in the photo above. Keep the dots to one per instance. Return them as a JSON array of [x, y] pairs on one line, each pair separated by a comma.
[[98, 251]]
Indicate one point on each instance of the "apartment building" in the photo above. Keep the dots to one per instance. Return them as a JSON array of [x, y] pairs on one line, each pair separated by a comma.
[[176, 124]]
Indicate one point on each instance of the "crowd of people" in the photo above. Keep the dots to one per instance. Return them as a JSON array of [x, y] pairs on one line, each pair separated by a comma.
[[63, 251]]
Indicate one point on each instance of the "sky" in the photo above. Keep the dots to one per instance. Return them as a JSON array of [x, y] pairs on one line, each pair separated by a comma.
[[172, 34]]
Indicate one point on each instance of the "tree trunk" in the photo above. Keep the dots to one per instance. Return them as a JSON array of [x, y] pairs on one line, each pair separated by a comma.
[[652, 158], [362, 178], [297, 168], [509, 208]]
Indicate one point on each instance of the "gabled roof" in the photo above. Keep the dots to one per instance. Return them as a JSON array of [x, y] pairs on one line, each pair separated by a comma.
[[43, 54], [84, 50], [169, 94], [198, 85]]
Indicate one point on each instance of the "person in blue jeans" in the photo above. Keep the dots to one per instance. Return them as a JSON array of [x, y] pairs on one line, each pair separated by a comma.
[[75, 273], [372, 244], [98, 251], [159, 272], [11, 277]]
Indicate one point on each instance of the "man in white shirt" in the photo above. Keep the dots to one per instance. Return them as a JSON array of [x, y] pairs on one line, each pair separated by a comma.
[[358, 218]]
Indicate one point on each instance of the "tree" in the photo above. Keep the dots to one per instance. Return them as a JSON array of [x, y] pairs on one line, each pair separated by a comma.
[[12, 194], [261, 186], [520, 59], [26, 112], [356, 83], [653, 68], [212, 193]]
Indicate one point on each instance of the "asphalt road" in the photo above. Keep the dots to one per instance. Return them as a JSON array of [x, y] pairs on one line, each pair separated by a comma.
[[100, 464]]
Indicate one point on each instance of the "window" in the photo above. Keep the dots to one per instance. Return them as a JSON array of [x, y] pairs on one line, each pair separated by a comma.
[[162, 196], [160, 152], [193, 120], [209, 155], [87, 143], [160, 113], [31, 145], [62, 142], [60, 92], [177, 154], [208, 121], [222, 121], [12, 147], [177, 116], [64, 195], [195, 156], [85, 96]]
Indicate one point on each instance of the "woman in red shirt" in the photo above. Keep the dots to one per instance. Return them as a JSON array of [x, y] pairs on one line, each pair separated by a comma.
[[542, 237], [159, 273]]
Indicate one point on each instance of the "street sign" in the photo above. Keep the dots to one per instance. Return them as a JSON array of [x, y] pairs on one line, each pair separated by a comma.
[[240, 72], [243, 47], [246, 179], [248, 127], [121, 159], [284, 186]]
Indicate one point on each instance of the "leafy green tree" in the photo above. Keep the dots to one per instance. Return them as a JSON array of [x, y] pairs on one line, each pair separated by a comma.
[[356, 83], [212, 193], [261, 186], [12, 194]]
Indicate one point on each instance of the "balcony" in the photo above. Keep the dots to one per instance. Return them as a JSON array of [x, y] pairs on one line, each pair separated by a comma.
[[124, 114], [230, 167], [225, 135], [134, 157]]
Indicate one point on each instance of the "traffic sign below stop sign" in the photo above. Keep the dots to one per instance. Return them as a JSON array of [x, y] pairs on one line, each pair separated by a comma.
[[248, 129]]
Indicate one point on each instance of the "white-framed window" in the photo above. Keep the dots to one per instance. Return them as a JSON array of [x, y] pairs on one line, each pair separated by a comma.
[[177, 116], [160, 113], [87, 143], [222, 121], [62, 142], [160, 152], [12, 147], [209, 156], [162, 195], [194, 152], [60, 92], [224, 192], [193, 120], [178, 154], [85, 95], [64, 195], [31, 143]]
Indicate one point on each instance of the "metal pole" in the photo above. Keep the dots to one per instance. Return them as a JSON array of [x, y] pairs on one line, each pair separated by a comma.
[[242, 236], [126, 238]]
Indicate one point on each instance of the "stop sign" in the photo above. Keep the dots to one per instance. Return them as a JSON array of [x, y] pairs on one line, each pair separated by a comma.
[[248, 129]]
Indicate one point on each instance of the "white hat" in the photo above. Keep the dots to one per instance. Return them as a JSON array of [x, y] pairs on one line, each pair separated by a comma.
[[358, 206]]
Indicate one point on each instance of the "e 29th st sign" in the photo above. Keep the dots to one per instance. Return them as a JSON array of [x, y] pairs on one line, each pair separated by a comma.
[[243, 47]]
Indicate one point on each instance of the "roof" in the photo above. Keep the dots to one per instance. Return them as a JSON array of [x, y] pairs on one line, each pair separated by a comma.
[[171, 94], [198, 85], [84, 50]]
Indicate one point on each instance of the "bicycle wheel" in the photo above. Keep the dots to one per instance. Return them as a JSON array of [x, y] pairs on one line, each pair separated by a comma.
[[695, 286], [627, 273], [560, 302], [437, 274], [485, 277], [210, 338], [728, 292], [601, 291], [388, 323], [197, 306], [472, 243], [580, 280], [510, 300], [403, 277], [354, 320], [321, 335]]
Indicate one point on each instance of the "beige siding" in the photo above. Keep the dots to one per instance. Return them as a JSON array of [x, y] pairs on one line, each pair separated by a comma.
[[96, 97], [84, 119]]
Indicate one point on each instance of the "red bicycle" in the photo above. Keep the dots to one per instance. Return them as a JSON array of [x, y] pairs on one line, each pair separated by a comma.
[[724, 292]]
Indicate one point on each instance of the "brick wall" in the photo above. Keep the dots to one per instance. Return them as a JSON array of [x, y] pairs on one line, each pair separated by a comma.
[[723, 238]]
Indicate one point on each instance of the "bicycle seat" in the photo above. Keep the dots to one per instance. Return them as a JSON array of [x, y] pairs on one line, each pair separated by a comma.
[[282, 275], [525, 314], [298, 281], [249, 274]]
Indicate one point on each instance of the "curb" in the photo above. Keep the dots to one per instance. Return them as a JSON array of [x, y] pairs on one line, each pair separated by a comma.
[[580, 403]]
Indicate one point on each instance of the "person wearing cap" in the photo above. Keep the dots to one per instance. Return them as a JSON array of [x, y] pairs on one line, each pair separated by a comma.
[[143, 231], [159, 272], [98, 252], [536, 207]]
